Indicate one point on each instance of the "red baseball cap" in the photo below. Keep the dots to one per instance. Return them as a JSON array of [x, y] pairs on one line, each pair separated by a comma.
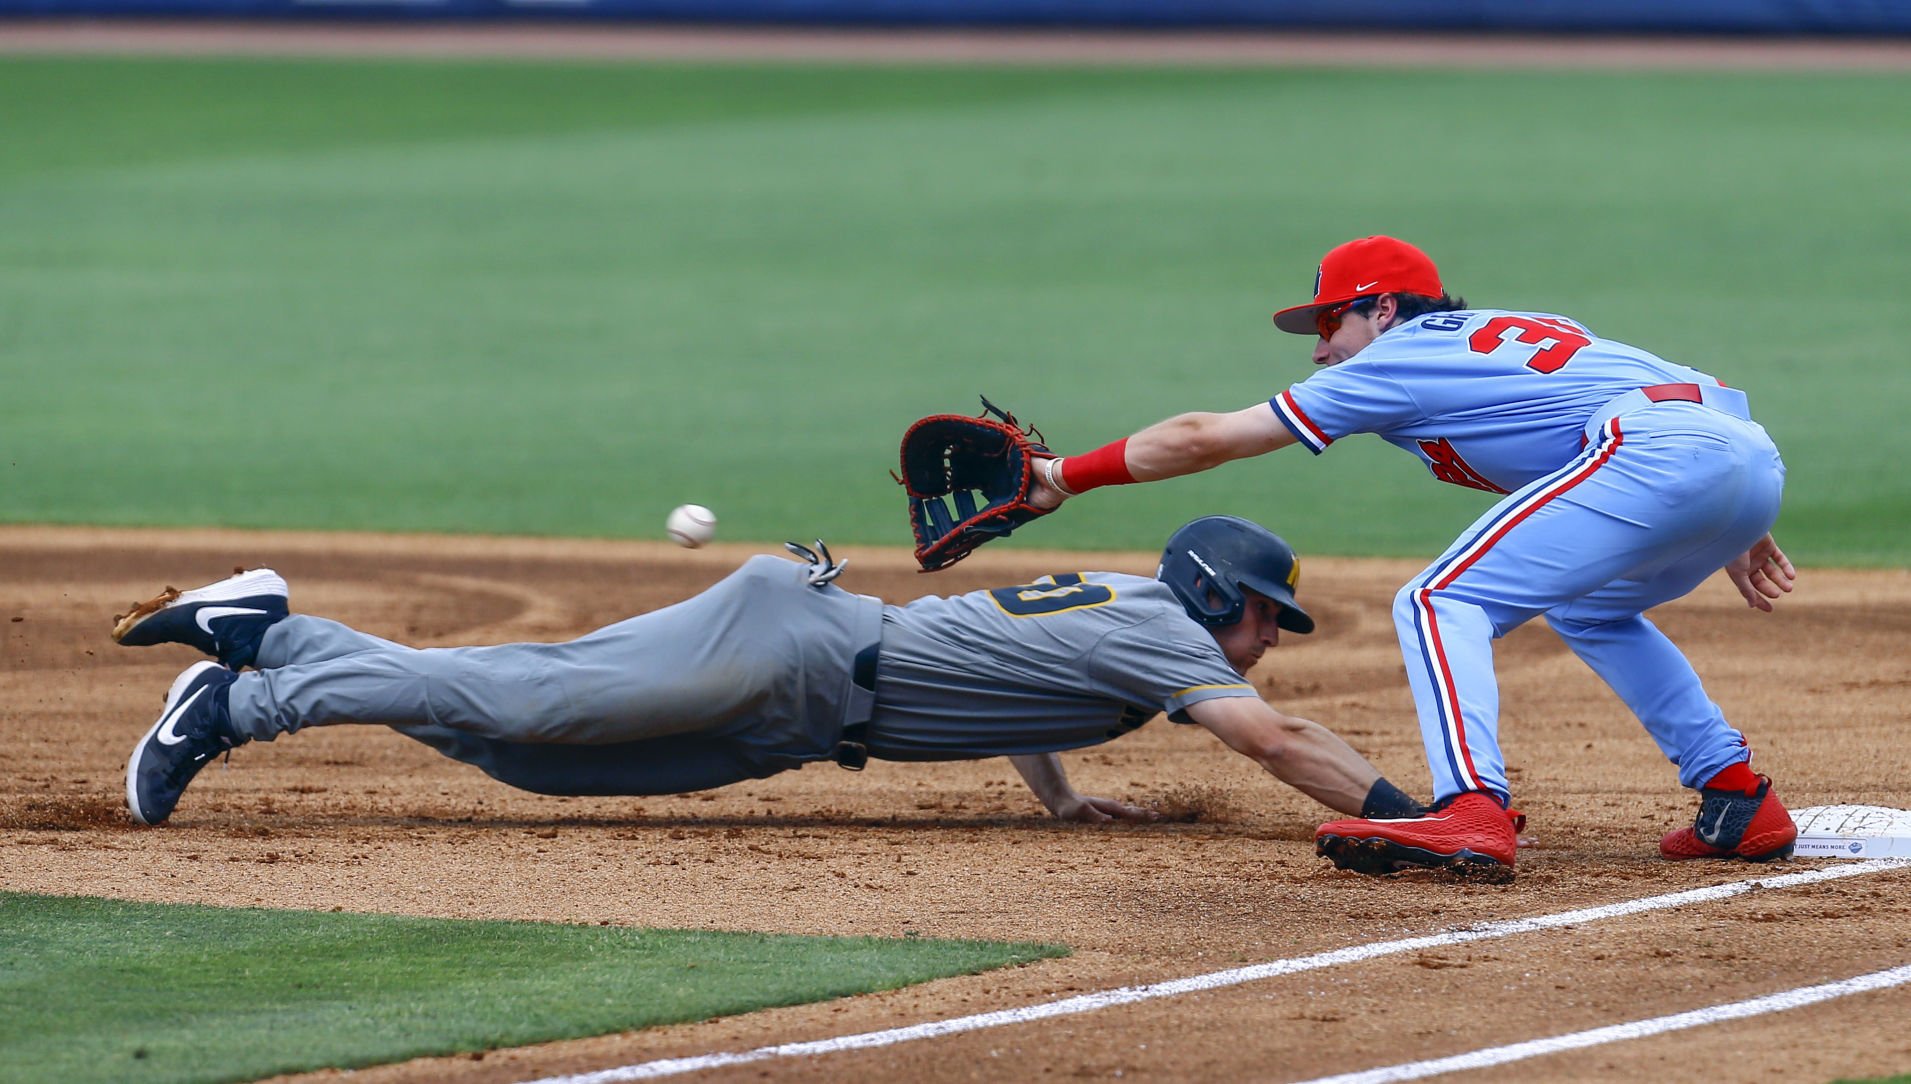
[[1363, 268]]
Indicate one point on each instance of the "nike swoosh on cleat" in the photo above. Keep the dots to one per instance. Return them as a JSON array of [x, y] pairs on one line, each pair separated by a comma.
[[167, 735], [1711, 838], [208, 614]]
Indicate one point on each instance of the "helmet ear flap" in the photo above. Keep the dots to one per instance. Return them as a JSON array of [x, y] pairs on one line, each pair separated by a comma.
[[1206, 594], [1212, 562]]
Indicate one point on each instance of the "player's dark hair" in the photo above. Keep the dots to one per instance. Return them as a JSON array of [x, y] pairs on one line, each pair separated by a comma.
[[1413, 306]]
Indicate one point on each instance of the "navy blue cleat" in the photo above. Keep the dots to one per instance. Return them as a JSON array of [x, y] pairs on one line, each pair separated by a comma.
[[226, 620], [193, 728]]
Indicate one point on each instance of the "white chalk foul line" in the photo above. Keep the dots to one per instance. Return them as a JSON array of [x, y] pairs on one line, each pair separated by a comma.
[[1128, 995], [1637, 1029]]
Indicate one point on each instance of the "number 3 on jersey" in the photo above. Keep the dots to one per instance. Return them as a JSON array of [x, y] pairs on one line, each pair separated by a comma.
[[1561, 338], [1051, 595]]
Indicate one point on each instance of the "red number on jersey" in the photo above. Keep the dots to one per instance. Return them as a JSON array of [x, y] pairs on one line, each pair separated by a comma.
[[1562, 338], [1444, 460]]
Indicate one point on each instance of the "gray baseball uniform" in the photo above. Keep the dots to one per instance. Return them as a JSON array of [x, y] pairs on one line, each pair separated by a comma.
[[759, 674]]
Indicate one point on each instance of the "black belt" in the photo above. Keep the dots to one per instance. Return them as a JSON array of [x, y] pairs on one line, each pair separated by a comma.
[[852, 749]]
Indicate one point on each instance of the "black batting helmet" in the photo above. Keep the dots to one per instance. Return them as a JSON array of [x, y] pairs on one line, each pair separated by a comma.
[[1210, 560]]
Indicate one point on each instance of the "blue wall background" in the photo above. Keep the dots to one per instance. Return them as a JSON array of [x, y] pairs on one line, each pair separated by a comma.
[[1821, 17]]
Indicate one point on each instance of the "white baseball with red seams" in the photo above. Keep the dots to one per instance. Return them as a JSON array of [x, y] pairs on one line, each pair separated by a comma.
[[691, 525]]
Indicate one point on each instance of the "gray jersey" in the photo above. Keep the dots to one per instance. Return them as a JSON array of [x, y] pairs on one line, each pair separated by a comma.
[[1070, 660]]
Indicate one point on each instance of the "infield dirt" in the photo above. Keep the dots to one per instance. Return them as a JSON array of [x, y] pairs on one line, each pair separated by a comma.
[[358, 818]]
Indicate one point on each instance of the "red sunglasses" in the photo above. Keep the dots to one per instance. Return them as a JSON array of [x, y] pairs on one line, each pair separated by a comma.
[[1327, 321]]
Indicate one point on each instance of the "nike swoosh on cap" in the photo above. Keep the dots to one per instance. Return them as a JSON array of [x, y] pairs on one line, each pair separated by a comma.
[[1365, 286]]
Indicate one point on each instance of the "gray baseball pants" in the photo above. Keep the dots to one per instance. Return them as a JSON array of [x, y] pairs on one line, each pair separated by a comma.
[[751, 677]]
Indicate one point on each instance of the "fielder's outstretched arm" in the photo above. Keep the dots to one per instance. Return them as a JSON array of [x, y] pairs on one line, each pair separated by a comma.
[[1304, 755], [1044, 775], [1183, 444], [1190, 443]]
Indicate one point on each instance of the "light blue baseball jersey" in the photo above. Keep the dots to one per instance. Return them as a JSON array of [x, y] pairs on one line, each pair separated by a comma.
[[1488, 399], [1070, 660], [1627, 481]]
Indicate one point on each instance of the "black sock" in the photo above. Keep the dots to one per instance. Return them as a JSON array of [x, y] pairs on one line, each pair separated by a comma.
[[1388, 802]]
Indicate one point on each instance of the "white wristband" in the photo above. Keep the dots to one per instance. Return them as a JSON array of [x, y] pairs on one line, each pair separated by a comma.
[[1052, 474]]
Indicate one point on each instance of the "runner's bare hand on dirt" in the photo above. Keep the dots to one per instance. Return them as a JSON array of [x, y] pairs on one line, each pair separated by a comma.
[[1088, 809]]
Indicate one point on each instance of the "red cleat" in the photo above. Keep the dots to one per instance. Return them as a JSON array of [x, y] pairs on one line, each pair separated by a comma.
[[1732, 824], [1467, 833]]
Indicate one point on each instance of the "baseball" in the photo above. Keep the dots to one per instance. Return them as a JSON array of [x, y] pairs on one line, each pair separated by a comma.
[[691, 525]]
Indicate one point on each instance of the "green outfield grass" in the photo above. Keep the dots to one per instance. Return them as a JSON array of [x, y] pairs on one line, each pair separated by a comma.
[[556, 298], [106, 990]]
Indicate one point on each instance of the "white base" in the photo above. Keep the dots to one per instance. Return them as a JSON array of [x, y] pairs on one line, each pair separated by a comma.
[[1853, 831]]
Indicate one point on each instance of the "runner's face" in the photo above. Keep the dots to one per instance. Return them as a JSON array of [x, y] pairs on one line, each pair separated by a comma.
[[1245, 641]]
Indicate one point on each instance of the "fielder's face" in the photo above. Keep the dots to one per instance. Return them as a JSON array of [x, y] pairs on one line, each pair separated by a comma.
[[1245, 641], [1349, 332]]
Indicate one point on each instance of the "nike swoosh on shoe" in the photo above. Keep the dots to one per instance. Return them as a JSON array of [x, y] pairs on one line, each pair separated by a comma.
[[1408, 820], [167, 735], [206, 615], [1712, 837]]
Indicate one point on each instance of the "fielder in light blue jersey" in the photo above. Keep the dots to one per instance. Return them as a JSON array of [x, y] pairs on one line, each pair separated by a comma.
[[774, 667], [1624, 481]]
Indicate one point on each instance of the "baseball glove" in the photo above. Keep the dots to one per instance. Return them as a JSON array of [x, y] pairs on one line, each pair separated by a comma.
[[985, 467]]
